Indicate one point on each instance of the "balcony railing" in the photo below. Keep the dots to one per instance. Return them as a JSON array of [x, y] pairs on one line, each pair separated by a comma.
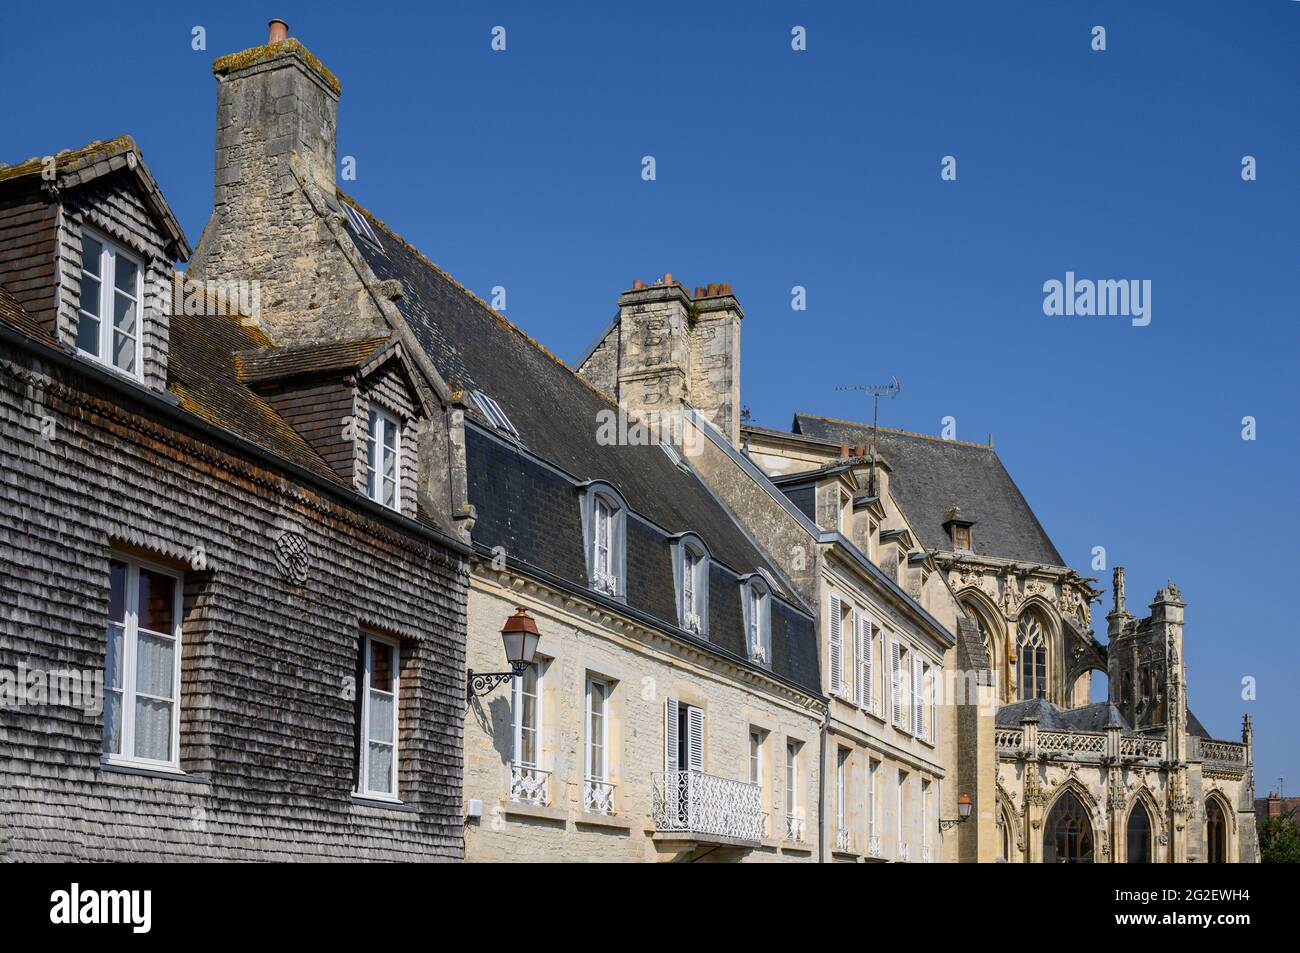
[[605, 582], [1224, 754], [925, 853], [843, 842], [597, 796], [873, 845], [902, 852], [794, 828], [530, 785], [692, 802]]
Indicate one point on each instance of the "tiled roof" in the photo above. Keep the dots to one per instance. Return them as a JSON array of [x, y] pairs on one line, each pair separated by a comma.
[[14, 314], [281, 363], [931, 475], [201, 373]]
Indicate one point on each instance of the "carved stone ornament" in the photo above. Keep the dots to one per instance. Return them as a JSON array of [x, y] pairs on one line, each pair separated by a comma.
[[291, 557]]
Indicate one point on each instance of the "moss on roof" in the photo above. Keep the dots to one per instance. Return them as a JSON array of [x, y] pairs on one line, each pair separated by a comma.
[[69, 159], [259, 54]]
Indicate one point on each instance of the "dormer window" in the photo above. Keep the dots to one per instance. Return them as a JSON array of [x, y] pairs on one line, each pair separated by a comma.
[[109, 315], [384, 459], [961, 537], [756, 598], [691, 570], [604, 522]]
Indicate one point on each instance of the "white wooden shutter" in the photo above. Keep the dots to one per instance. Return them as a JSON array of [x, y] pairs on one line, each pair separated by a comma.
[[695, 738], [895, 683], [918, 708], [868, 666], [857, 657], [837, 648], [670, 734]]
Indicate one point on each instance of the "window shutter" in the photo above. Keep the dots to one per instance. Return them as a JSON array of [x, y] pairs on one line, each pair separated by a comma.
[[896, 683], [837, 648], [918, 712], [869, 689], [857, 657], [695, 738], [670, 734]]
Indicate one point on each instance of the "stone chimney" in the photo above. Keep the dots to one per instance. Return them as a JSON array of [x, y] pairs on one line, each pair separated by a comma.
[[666, 348], [274, 197]]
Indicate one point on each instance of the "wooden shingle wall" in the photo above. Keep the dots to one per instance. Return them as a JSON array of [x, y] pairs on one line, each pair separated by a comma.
[[268, 720]]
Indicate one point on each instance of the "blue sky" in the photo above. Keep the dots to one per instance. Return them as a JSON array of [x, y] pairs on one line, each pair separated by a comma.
[[822, 169]]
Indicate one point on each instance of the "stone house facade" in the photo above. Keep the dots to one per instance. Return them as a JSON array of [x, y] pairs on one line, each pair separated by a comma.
[[214, 642]]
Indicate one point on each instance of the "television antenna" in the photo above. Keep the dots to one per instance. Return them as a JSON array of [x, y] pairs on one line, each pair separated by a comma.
[[876, 391]]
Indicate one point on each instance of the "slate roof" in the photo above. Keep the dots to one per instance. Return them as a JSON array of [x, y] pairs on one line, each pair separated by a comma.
[[521, 504], [1094, 717], [930, 475]]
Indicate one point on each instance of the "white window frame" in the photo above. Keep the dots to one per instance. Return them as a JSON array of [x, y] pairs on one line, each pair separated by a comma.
[[516, 722], [376, 429], [601, 744], [130, 637], [873, 771], [756, 738], [360, 227], [756, 602], [691, 563], [493, 412], [363, 773], [604, 521], [841, 788], [902, 811], [792, 749], [110, 251]]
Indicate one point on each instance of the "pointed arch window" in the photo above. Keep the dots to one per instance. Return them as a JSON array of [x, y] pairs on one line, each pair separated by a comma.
[[1139, 835], [1031, 657], [1067, 835], [1216, 833]]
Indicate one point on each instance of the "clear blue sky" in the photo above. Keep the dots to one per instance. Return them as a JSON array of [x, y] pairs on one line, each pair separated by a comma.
[[821, 169]]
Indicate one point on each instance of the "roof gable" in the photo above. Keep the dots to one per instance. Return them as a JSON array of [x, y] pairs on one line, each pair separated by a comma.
[[77, 167]]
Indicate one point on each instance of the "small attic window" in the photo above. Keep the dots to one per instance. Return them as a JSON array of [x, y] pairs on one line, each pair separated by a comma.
[[960, 536], [493, 412], [361, 227]]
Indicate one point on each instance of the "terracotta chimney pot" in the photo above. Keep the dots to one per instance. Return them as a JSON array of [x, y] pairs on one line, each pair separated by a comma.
[[279, 31]]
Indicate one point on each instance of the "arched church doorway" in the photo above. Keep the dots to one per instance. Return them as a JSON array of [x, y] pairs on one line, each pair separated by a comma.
[[1067, 835]]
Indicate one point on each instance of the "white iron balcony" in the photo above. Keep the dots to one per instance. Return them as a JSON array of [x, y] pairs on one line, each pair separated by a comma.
[[530, 785], [597, 796], [708, 808]]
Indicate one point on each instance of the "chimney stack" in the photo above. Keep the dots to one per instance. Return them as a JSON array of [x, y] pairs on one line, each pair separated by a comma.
[[275, 195], [667, 348]]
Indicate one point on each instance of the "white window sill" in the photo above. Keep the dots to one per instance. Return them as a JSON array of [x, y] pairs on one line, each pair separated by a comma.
[[148, 769], [381, 802], [111, 368]]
